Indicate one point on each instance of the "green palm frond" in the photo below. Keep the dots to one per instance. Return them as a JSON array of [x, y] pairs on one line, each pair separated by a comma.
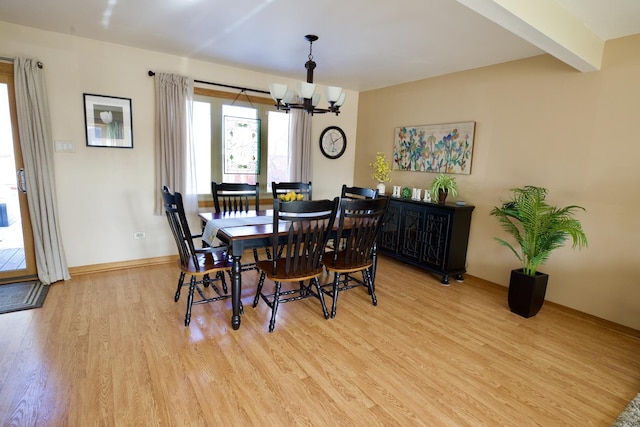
[[537, 228]]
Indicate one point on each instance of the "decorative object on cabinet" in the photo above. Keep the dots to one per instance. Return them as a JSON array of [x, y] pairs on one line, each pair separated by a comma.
[[431, 236], [406, 193], [441, 186], [108, 121], [333, 142], [381, 168], [538, 228], [434, 148]]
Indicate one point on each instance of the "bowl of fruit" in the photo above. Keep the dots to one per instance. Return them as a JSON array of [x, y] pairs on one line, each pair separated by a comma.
[[290, 196]]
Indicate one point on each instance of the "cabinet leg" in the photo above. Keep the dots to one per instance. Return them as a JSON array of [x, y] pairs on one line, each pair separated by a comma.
[[459, 278], [445, 280]]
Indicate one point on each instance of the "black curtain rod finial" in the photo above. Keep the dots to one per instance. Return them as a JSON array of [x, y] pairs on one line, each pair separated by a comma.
[[151, 73]]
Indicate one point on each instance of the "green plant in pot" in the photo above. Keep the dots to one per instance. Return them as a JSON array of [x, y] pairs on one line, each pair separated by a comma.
[[443, 185], [538, 229]]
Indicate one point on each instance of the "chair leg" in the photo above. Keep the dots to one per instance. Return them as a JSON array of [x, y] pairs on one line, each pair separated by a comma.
[[192, 286], [220, 275], [180, 283], [321, 297], [366, 276], [334, 304], [256, 299], [274, 309]]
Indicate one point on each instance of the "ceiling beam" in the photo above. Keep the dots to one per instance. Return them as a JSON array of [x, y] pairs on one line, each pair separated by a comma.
[[548, 26]]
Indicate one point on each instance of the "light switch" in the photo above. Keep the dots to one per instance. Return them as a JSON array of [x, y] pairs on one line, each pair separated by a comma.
[[65, 147]]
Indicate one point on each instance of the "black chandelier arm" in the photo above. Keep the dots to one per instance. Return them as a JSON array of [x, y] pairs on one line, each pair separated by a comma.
[[311, 110]]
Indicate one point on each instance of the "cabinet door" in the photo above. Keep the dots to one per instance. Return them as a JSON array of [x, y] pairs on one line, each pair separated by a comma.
[[391, 227], [436, 238], [412, 235]]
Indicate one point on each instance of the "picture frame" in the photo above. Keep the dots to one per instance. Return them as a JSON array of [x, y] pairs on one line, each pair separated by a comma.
[[108, 121], [441, 148]]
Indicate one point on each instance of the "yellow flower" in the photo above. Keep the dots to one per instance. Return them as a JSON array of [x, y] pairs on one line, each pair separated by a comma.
[[381, 168]]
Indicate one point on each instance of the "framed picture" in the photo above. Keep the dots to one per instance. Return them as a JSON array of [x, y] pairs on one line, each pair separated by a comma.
[[241, 145], [108, 121], [443, 148]]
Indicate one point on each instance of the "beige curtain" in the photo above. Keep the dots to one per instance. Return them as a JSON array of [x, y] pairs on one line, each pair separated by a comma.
[[34, 128], [175, 159], [300, 146]]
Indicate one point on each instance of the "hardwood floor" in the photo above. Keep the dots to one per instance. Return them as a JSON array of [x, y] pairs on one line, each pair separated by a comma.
[[111, 349]]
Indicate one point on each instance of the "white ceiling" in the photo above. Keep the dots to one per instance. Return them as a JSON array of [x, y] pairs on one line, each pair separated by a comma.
[[363, 44]]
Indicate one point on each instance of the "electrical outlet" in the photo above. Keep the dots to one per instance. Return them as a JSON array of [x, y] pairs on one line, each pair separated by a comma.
[[139, 235]]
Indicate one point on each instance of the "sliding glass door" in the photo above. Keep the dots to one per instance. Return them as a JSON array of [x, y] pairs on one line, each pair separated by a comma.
[[17, 258]]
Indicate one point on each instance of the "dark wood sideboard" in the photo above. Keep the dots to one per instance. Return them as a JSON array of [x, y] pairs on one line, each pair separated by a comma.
[[432, 236]]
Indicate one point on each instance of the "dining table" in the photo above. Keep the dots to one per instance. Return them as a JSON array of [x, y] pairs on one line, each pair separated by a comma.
[[240, 231]]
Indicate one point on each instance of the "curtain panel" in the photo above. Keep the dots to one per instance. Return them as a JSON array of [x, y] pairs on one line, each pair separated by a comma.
[[34, 129], [175, 160]]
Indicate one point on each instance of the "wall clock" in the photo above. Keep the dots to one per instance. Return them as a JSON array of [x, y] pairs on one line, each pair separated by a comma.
[[333, 142]]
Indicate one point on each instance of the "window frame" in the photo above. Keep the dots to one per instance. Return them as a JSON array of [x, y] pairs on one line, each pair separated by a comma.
[[245, 100]]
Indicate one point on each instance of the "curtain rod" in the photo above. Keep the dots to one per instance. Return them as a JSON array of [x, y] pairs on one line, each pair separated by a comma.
[[243, 89], [7, 59]]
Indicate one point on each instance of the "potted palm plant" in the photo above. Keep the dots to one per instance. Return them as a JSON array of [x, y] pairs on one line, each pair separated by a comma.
[[441, 186], [537, 228]]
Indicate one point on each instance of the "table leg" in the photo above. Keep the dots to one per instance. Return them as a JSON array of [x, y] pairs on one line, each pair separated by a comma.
[[236, 290]]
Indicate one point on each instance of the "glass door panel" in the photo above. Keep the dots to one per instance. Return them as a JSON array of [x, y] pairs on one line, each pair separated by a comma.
[[17, 259]]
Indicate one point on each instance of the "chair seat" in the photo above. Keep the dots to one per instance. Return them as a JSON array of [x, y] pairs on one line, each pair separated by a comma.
[[208, 262], [267, 267], [339, 264]]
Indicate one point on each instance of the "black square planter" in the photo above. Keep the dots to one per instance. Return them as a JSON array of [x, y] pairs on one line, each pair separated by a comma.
[[526, 293]]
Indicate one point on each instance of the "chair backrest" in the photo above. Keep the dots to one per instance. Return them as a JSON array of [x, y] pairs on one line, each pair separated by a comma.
[[358, 193], [174, 210], [303, 188], [235, 197], [308, 224], [359, 226]]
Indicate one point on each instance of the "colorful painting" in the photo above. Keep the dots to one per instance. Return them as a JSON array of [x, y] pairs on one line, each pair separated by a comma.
[[241, 145], [444, 148]]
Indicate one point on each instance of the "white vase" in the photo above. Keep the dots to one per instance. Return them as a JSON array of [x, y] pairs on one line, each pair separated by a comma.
[[381, 188]]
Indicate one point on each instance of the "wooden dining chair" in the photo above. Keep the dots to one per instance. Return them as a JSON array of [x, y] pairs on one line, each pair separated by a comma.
[[354, 193], [359, 226], [237, 197], [304, 188], [358, 192], [169, 202], [201, 264], [308, 224]]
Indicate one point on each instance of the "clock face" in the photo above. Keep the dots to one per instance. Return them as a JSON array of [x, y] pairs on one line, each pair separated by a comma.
[[333, 142]]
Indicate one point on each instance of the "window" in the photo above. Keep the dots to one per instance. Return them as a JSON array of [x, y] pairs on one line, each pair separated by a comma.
[[209, 111]]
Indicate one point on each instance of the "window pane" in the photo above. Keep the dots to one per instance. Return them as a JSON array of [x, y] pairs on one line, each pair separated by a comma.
[[278, 169], [202, 143]]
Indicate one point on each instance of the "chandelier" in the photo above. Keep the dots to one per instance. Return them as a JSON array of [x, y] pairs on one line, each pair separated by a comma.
[[286, 98]]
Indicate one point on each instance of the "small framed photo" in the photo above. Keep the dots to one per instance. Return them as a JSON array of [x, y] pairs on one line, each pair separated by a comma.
[[108, 121]]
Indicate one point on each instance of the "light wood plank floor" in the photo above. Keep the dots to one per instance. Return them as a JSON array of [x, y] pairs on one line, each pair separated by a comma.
[[110, 349]]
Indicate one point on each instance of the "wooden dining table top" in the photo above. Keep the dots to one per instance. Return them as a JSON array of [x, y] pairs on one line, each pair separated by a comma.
[[246, 231]]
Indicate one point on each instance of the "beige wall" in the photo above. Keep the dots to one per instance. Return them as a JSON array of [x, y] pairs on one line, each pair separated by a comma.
[[538, 122], [104, 194]]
